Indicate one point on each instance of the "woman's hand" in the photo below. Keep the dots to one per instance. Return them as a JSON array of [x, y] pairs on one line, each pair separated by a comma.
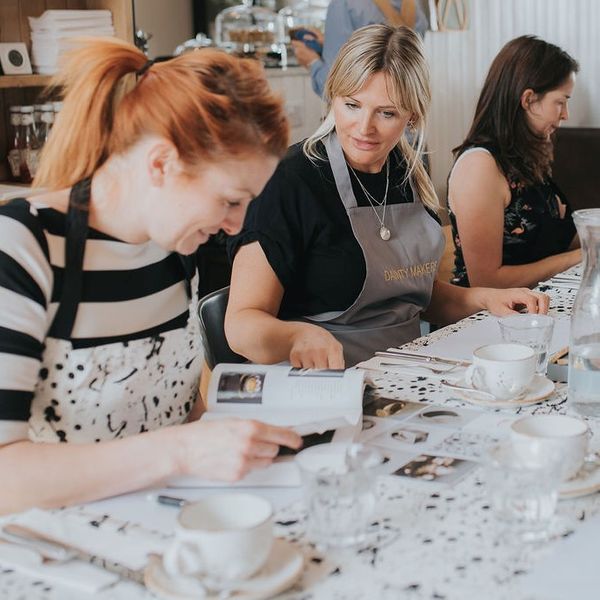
[[305, 55], [512, 300], [228, 449], [315, 348]]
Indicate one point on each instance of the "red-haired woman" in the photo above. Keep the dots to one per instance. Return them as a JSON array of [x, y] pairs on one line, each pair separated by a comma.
[[512, 226], [98, 337]]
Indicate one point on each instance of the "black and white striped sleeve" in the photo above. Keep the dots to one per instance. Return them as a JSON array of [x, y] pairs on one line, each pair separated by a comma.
[[25, 291]]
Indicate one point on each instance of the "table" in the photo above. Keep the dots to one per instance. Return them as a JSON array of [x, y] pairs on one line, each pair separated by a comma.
[[440, 545]]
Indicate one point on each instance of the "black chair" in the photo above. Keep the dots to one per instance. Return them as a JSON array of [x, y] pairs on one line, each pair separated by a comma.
[[211, 311]]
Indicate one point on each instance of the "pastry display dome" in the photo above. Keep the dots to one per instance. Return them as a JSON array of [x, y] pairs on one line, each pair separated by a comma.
[[247, 30], [298, 16], [301, 14]]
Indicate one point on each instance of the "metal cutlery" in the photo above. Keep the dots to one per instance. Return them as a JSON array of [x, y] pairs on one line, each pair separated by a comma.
[[470, 390], [422, 358], [426, 368], [492, 397], [52, 549]]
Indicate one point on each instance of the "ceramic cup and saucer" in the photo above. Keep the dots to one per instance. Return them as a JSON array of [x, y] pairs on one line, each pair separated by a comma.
[[502, 376], [282, 569], [536, 437], [586, 481], [224, 546]]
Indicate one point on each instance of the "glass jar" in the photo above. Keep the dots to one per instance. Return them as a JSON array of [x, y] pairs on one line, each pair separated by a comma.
[[252, 31], [30, 146], [45, 123], [584, 347], [15, 147]]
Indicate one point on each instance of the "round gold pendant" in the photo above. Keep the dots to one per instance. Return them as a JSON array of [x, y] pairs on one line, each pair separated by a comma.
[[384, 233]]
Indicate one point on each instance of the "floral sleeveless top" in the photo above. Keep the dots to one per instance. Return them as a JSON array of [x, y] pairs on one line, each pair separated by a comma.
[[538, 223]]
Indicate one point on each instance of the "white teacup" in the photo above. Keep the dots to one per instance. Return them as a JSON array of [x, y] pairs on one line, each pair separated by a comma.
[[504, 370], [537, 436], [225, 537]]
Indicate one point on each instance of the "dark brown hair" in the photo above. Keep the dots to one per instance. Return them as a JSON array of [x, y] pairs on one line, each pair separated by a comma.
[[500, 123], [208, 104]]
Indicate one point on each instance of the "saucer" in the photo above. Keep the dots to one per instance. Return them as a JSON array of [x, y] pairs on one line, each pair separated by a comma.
[[540, 389], [587, 481], [284, 566]]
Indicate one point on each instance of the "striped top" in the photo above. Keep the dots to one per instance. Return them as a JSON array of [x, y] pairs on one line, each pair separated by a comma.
[[131, 363]]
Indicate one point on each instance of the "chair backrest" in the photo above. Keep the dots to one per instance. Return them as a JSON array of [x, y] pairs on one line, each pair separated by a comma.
[[211, 312]]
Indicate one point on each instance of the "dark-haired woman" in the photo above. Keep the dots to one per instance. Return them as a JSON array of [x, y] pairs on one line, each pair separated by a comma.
[[512, 226]]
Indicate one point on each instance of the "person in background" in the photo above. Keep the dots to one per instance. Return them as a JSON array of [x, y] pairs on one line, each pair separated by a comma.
[[511, 224], [339, 254], [346, 16], [99, 341]]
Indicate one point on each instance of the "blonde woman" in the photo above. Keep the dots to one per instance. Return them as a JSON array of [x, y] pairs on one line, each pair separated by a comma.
[[338, 255], [100, 350], [346, 16]]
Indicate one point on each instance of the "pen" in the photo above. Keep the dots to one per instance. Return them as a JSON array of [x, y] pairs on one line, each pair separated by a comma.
[[170, 500]]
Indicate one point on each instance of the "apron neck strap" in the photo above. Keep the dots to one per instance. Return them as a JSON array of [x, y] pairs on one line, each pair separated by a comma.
[[340, 170], [76, 232]]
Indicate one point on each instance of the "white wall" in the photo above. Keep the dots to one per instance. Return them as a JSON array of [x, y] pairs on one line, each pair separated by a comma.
[[459, 61], [169, 21]]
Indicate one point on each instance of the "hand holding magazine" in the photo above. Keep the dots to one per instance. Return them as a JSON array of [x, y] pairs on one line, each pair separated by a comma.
[[321, 405]]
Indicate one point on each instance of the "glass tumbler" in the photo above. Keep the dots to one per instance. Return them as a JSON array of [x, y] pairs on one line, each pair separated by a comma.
[[338, 483], [523, 492], [531, 330]]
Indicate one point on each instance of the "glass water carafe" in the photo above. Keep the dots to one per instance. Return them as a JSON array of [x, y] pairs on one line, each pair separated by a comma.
[[584, 347]]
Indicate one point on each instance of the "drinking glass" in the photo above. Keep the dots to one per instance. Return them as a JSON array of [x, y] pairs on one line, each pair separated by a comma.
[[523, 492], [532, 330], [339, 489]]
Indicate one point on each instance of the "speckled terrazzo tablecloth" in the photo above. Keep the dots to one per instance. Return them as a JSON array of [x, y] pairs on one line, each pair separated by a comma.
[[433, 542]]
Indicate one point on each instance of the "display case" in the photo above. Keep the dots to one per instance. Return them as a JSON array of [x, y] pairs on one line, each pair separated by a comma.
[[252, 31], [300, 15]]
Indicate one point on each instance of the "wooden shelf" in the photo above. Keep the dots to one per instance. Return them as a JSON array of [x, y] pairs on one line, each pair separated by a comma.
[[29, 89], [24, 81]]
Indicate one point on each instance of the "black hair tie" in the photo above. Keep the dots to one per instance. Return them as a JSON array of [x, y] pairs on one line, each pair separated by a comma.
[[142, 70]]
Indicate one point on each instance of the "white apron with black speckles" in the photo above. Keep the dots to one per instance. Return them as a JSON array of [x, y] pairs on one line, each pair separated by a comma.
[[116, 390]]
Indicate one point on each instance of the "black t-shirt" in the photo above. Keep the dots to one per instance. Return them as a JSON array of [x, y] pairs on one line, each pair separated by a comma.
[[302, 226]]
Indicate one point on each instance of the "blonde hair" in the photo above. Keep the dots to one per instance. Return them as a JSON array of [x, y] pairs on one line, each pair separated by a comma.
[[398, 53], [208, 104]]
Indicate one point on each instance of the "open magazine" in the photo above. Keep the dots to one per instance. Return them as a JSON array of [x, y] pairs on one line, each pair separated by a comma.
[[321, 405]]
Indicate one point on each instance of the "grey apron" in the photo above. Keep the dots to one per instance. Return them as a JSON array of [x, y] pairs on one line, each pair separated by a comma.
[[399, 272]]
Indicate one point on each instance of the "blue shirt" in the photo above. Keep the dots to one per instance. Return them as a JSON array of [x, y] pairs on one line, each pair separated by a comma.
[[343, 18]]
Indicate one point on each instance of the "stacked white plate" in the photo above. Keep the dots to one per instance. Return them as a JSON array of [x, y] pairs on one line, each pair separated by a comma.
[[53, 33]]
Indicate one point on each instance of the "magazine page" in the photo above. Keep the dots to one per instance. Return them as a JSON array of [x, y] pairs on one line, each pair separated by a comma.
[[310, 400], [323, 406]]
